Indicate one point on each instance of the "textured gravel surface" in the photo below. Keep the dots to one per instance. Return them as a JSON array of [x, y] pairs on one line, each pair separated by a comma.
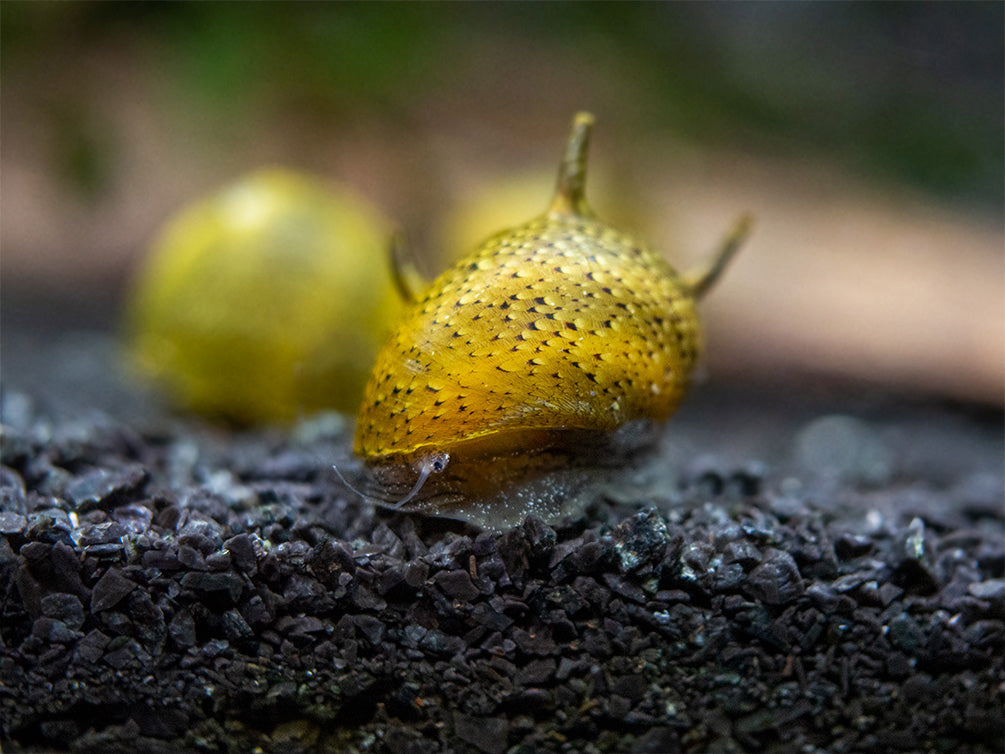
[[775, 578]]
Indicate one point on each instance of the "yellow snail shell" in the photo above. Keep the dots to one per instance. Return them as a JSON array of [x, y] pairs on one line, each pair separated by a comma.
[[540, 355]]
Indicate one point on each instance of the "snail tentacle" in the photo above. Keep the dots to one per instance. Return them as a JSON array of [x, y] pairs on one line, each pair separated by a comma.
[[434, 463], [349, 484], [431, 464]]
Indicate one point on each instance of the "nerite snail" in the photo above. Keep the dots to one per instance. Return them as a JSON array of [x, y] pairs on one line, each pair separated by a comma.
[[261, 301], [540, 354]]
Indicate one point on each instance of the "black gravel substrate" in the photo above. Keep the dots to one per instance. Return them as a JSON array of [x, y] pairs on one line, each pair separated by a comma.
[[190, 590]]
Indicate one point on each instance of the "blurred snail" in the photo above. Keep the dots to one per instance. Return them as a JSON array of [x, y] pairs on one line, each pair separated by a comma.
[[265, 301], [548, 350]]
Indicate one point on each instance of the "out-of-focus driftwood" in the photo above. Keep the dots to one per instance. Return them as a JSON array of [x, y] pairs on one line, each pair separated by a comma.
[[839, 279]]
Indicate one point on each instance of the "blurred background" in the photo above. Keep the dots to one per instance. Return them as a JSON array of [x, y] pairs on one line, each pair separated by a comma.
[[867, 138]]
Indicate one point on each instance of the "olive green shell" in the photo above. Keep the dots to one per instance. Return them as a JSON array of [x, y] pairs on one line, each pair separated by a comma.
[[263, 301]]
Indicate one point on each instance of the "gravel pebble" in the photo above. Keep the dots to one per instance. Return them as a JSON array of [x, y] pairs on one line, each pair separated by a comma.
[[110, 590], [103, 488], [230, 595]]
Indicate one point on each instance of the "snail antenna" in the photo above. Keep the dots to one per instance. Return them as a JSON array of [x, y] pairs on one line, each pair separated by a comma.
[[423, 476], [433, 463], [348, 484], [700, 279], [570, 192]]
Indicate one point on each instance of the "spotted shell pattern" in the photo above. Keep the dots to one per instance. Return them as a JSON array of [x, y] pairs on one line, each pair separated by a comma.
[[560, 323], [532, 369]]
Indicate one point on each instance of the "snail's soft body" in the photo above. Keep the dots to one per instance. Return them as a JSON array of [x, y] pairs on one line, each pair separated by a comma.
[[531, 361]]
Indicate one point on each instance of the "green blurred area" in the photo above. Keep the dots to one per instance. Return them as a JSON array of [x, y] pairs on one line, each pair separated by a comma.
[[907, 92]]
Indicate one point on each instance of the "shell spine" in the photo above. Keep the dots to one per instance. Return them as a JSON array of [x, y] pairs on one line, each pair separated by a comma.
[[562, 323]]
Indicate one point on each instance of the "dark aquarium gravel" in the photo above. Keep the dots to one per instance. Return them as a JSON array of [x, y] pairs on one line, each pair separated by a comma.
[[770, 580]]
